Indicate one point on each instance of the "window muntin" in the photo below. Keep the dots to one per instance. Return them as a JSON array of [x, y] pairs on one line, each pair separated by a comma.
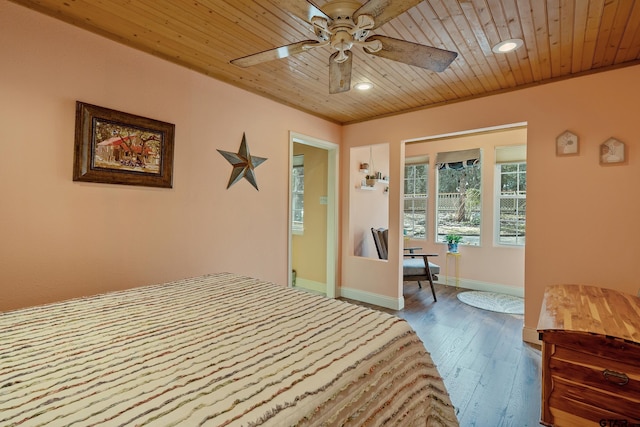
[[415, 200]]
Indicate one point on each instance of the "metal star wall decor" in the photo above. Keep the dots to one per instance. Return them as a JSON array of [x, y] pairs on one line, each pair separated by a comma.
[[243, 164]]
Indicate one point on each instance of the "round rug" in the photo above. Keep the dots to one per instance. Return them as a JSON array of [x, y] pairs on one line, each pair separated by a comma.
[[493, 301]]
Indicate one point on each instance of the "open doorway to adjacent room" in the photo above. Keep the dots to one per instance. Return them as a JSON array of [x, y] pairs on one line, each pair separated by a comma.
[[313, 229], [471, 184]]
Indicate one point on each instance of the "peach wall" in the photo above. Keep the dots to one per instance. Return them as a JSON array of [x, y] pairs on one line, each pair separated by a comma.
[[582, 221], [62, 239]]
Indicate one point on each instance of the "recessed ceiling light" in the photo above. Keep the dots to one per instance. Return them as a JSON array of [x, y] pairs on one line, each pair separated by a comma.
[[363, 86], [507, 46]]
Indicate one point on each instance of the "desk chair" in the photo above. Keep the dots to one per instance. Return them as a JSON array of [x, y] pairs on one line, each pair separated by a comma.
[[413, 264]]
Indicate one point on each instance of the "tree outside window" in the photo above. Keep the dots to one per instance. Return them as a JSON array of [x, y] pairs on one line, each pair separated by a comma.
[[415, 200], [459, 202]]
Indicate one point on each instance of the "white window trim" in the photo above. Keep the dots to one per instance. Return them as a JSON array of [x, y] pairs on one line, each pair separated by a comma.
[[437, 199], [297, 228], [424, 160], [497, 197]]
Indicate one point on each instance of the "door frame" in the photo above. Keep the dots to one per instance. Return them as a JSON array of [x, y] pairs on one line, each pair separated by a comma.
[[332, 206]]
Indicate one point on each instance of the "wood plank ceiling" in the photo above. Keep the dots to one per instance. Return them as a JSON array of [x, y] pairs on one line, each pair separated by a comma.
[[562, 39]]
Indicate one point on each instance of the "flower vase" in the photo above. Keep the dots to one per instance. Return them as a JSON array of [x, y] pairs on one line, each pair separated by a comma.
[[453, 248]]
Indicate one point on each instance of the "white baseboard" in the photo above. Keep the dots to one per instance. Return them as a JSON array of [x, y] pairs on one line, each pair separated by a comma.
[[311, 285], [371, 298], [398, 304], [531, 336], [482, 286]]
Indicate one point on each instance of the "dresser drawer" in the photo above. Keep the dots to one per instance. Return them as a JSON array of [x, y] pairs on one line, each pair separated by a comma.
[[569, 409], [603, 347], [594, 387], [604, 374], [591, 403]]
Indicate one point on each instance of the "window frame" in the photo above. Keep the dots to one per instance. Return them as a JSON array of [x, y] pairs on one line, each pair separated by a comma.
[[297, 227], [425, 163], [440, 238], [498, 197]]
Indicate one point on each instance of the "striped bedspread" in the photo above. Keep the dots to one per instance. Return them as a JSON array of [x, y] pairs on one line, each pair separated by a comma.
[[215, 350]]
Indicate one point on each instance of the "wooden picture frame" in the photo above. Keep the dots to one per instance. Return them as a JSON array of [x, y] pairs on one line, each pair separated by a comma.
[[612, 151], [567, 144], [113, 147]]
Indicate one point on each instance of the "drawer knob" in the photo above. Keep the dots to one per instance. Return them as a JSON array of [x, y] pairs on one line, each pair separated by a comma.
[[615, 377]]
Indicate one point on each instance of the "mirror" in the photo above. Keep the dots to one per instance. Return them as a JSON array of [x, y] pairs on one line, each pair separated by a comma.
[[368, 199]]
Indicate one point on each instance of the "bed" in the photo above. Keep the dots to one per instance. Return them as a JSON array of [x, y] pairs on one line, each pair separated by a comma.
[[215, 350]]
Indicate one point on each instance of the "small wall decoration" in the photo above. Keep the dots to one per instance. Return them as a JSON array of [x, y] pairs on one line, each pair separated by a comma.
[[567, 144], [243, 164], [612, 151], [119, 148]]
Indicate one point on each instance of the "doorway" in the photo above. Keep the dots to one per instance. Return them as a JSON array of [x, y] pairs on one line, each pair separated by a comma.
[[313, 214], [489, 214]]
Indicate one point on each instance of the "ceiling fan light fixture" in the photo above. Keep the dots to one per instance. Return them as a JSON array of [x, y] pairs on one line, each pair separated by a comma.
[[507, 46], [363, 86]]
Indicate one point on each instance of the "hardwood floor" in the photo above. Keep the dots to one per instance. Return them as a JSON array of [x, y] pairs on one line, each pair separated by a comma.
[[492, 376]]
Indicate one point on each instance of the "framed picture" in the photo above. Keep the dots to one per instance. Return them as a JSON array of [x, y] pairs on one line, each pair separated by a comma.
[[118, 148], [567, 144], [612, 151]]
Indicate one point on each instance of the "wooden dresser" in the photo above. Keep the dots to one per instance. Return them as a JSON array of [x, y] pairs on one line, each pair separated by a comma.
[[590, 357]]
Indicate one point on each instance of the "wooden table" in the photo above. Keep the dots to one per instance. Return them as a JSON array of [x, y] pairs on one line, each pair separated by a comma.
[[590, 357]]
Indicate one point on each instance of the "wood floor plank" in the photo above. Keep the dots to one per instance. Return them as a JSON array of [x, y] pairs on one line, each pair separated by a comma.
[[525, 392], [492, 376], [491, 398], [460, 385]]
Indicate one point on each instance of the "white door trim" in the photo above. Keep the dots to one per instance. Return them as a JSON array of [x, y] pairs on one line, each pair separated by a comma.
[[332, 205]]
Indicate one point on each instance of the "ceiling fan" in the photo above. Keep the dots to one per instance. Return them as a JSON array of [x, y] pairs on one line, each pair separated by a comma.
[[342, 24]]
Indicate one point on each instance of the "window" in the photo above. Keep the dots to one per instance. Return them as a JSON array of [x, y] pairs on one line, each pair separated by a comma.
[[416, 199], [511, 197], [458, 200], [297, 195]]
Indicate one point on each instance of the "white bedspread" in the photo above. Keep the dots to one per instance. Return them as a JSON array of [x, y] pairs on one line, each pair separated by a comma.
[[215, 350]]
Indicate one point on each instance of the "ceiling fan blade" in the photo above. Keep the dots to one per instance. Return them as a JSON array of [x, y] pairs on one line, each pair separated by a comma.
[[303, 9], [340, 73], [384, 10], [277, 53], [415, 54]]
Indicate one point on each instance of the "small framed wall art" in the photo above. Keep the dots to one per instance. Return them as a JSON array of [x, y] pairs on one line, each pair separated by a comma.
[[567, 144], [113, 147], [612, 151]]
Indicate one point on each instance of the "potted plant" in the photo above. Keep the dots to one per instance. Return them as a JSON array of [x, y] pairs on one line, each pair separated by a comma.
[[452, 242], [371, 180]]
